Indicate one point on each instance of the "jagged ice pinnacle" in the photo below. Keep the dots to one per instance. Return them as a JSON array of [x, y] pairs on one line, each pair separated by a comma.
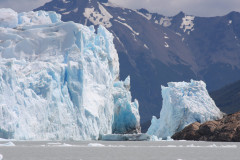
[[183, 104]]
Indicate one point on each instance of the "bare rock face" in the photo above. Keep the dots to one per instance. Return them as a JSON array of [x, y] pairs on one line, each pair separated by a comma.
[[225, 129]]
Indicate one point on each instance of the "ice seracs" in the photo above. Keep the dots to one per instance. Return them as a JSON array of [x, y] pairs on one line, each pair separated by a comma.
[[126, 115], [59, 80], [183, 104]]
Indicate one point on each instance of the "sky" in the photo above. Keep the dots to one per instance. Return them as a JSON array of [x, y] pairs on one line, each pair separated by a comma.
[[204, 8]]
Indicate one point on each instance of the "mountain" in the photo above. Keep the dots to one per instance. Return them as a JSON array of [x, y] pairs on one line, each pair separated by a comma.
[[154, 49], [228, 98], [60, 80]]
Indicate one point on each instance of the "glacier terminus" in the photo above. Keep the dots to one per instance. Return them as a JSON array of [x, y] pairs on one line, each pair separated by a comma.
[[60, 80]]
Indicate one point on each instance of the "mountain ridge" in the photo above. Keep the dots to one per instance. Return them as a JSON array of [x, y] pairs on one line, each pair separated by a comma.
[[228, 97]]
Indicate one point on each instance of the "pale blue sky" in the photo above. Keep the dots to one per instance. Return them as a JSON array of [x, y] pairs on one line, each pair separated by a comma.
[[165, 7]]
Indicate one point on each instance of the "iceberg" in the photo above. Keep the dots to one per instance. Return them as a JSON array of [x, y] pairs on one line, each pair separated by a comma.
[[183, 104], [126, 137], [59, 80]]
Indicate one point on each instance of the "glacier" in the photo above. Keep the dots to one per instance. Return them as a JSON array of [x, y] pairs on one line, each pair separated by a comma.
[[183, 104], [60, 80]]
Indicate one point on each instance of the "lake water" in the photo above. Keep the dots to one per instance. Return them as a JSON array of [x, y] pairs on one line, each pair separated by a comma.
[[103, 150]]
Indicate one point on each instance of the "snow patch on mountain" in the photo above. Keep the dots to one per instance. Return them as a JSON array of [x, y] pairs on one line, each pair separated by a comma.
[[187, 23], [75, 10], [164, 21], [59, 80], [129, 27], [121, 18], [98, 18], [166, 45], [66, 1], [148, 16], [146, 46], [183, 104]]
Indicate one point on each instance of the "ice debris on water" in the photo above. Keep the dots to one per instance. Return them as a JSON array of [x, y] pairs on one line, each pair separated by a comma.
[[8, 144], [95, 145]]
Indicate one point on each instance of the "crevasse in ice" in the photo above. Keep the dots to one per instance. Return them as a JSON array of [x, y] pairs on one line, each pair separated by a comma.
[[59, 80], [183, 104]]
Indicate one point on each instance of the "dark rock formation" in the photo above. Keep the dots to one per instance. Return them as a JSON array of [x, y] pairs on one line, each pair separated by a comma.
[[225, 129]]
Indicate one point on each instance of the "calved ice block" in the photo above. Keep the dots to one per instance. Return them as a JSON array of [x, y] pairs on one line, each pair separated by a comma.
[[183, 104]]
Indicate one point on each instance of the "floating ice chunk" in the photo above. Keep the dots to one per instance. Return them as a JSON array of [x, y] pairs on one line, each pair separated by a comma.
[[171, 146], [229, 146], [169, 138], [52, 143], [9, 144], [183, 104], [154, 138], [4, 140], [192, 146], [125, 137], [95, 145], [1, 157]]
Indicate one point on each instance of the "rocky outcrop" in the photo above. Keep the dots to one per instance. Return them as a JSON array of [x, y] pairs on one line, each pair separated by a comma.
[[225, 129]]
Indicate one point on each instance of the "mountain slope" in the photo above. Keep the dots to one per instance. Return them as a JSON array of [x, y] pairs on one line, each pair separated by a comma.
[[154, 49], [228, 98]]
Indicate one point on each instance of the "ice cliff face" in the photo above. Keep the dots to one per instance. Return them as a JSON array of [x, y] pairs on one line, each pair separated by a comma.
[[59, 80], [183, 104], [125, 110]]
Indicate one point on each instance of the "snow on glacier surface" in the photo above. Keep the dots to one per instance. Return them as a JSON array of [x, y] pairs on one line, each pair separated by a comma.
[[58, 80], [183, 104]]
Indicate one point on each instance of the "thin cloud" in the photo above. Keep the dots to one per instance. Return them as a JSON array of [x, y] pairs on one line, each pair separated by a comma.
[[22, 5], [194, 7], [166, 7]]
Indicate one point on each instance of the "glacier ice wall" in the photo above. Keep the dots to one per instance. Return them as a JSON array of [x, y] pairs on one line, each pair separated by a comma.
[[125, 110], [183, 104], [59, 80]]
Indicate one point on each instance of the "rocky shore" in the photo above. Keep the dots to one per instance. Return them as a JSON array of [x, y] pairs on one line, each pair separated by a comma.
[[225, 129]]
